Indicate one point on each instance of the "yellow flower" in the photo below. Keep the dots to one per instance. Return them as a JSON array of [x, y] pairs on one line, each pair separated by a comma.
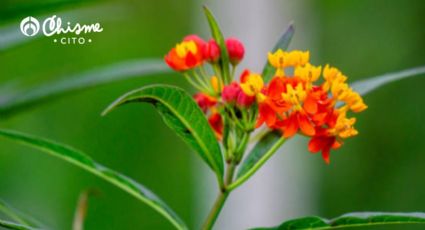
[[251, 83], [277, 60], [342, 92], [355, 102], [281, 59], [332, 76], [297, 58], [295, 96], [344, 126], [308, 73]]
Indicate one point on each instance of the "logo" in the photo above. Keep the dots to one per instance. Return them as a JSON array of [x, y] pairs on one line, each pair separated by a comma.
[[62, 33], [30, 26]]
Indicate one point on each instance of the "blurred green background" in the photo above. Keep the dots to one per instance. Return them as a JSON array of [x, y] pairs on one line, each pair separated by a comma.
[[380, 170]]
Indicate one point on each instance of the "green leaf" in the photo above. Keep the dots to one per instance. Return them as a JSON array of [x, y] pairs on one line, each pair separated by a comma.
[[70, 84], [218, 37], [368, 85], [359, 219], [262, 151], [17, 216], [83, 161], [283, 43], [9, 225], [181, 113], [262, 146]]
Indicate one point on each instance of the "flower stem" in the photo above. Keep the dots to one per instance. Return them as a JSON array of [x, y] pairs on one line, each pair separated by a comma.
[[222, 197]]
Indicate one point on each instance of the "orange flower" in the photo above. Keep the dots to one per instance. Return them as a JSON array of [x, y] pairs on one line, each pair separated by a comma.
[[289, 95], [338, 127], [324, 144], [274, 95], [298, 120], [272, 106], [187, 54], [266, 115]]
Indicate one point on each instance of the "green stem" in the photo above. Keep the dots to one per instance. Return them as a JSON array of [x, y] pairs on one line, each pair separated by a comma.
[[202, 82], [194, 84], [222, 197], [218, 205], [263, 160], [242, 147], [233, 72]]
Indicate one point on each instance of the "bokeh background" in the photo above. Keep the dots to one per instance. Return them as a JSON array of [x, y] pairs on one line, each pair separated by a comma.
[[380, 170]]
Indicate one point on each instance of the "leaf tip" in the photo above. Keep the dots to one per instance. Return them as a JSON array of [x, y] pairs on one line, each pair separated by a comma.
[[206, 9]]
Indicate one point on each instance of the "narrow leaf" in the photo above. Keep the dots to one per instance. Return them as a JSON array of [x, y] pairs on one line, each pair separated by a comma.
[[283, 43], [9, 225], [17, 216], [218, 37], [83, 161], [263, 145], [360, 219], [181, 113], [365, 86], [78, 82], [262, 151]]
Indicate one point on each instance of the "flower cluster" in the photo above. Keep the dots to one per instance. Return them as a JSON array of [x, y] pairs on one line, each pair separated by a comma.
[[300, 98], [297, 103]]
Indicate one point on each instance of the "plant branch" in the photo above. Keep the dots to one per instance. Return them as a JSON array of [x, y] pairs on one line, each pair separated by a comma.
[[221, 199], [263, 160]]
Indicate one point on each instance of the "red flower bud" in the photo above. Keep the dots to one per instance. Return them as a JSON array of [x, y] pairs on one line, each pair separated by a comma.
[[199, 41], [211, 51], [235, 49], [230, 92], [244, 100], [216, 122], [204, 101]]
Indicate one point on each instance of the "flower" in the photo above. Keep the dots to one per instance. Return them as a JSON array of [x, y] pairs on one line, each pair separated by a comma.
[[233, 94], [187, 54], [230, 92], [298, 119], [216, 123], [339, 127], [251, 83], [281, 59], [324, 144], [297, 104], [235, 49], [299, 99], [244, 100], [204, 101], [211, 51]]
